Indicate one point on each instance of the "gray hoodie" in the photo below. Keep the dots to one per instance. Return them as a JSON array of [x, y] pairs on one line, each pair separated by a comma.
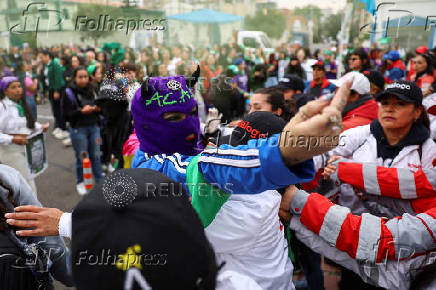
[[58, 253]]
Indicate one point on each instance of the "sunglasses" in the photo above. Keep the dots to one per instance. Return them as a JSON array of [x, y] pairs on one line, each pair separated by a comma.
[[354, 58]]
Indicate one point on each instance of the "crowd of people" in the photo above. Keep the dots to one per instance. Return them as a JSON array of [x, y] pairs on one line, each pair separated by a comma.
[[242, 167]]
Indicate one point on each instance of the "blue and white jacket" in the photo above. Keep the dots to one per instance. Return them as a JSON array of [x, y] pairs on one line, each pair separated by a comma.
[[245, 169]]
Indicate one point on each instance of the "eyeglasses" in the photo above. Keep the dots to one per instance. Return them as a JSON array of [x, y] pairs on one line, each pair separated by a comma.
[[354, 58]]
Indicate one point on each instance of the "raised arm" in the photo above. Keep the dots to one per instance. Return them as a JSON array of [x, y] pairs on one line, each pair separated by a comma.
[[318, 123]]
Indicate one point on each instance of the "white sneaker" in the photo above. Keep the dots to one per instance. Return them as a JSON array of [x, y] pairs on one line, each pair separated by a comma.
[[67, 142], [110, 168], [62, 135], [80, 187], [55, 131]]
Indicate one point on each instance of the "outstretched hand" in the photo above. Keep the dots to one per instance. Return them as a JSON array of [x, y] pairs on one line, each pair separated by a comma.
[[318, 124], [40, 221], [285, 204]]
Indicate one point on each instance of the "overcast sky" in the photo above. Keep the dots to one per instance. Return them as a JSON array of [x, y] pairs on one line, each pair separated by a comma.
[[333, 4]]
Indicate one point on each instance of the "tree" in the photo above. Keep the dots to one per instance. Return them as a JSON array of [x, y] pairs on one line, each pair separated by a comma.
[[273, 22], [309, 12], [314, 14], [331, 25], [87, 18]]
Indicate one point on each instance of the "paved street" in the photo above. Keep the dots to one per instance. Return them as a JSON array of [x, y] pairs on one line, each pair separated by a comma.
[[56, 186]]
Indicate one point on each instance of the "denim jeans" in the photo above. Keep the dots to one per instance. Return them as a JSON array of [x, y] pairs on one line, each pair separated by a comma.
[[87, 139], [31, 102], [57, 111]]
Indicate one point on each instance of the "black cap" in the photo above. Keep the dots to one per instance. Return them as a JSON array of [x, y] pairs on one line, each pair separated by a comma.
[[290, 82], [255, 125], [404, 90], [376, 78], [319, 64], [140, 222]]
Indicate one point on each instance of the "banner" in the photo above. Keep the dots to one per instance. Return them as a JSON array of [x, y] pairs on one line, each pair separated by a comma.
[[36, 155]]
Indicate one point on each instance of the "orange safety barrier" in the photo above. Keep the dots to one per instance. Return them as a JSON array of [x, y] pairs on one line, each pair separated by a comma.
[[87, 172]]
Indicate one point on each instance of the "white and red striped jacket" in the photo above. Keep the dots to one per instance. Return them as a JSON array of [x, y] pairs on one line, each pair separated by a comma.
[[429, 103], [400, 183], [360, 145], [368, 237]]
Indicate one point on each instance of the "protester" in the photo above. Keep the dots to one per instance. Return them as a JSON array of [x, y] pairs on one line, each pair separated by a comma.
[[395, 67], [165, 239], [52, 76], [361, 108], [424, 70], [376, 81], [129, 73], [429, 103], [29, 83], [33, 262], [16, 124], [359, 60], [81, 112], [294, 68], [324, 226], [225, 98], [399, 137], [320, 85], [113, 103], [292, 88], [258, 76], [330, 64], [411, 65], [272, 100]]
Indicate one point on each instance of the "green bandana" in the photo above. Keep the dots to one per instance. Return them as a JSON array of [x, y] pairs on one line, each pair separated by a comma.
[[20, 108], [207, 199]]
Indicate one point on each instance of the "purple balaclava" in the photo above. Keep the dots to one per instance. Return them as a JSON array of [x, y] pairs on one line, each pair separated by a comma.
[[156, 135]]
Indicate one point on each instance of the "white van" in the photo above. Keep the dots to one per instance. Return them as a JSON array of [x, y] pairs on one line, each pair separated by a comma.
[[255, 39]]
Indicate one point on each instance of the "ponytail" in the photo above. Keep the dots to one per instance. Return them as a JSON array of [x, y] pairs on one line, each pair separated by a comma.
[[30, 119], [423, 119]]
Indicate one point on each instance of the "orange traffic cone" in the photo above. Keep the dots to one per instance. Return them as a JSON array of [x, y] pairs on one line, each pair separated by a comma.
[[87, 172]]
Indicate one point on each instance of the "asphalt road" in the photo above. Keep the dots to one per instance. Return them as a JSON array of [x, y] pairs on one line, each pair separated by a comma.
[[57, 185]]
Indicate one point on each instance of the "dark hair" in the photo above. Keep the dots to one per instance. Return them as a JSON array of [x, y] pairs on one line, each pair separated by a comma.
[[80, 67], [129, 67], [3, 208], [361, 53], [80, 59], [277, 100], [295, 69], [429, 62], [47, 52], [423, 119], [30, 119]]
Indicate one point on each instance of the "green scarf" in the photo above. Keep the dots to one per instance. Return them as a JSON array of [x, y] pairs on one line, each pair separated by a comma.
[[20, 108], [207, 200]]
